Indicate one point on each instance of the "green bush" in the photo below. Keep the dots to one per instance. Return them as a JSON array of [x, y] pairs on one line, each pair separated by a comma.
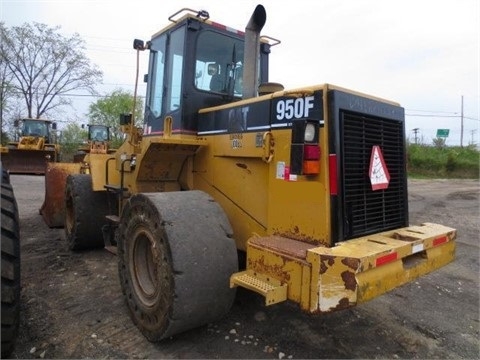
[[445, 162]]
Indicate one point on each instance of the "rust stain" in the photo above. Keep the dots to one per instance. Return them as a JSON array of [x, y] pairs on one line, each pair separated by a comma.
[[263, 268], [244, 166], [348, 278], [344, 303], [296, 234], [351, 263], [283, 245], [330, 259], [404, 237], [53, 207], [325, 262]]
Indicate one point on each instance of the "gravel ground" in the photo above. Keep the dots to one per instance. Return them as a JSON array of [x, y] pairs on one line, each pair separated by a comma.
[[72, 306]]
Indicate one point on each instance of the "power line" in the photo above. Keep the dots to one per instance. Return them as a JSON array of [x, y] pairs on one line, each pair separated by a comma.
[[433, 111], [110, 84], [108, 49], [431, 115], [470, 118], [443, 116], [91, 95]]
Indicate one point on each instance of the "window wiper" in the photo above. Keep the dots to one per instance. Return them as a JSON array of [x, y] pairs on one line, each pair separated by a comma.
[[231, 73]]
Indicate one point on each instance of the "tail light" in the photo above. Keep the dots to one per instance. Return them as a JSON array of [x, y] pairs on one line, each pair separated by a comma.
[[305, 149]]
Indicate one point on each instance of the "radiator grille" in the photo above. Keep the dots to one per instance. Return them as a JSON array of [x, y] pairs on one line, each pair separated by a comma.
[[366, 211]]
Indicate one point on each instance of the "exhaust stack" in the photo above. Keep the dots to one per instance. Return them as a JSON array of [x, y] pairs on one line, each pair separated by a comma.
[[252, 52]]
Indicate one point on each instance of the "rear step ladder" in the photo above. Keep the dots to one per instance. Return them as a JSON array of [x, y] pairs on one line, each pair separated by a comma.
[[117, 190], [120, 194], [108, 231], [273, 291]]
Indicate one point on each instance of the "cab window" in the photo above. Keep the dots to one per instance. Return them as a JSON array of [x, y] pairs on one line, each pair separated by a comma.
[[219, 63]]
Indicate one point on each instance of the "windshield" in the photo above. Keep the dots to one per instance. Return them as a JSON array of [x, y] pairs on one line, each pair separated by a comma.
[[98, 133], [165, 93], [219, 63], [34, 128]]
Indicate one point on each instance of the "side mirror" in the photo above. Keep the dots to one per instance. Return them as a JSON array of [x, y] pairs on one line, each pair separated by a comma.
[[138, 44], [54, 126]]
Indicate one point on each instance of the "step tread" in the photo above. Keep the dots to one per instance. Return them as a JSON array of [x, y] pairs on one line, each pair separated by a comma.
[[113, 218], [273, 291]]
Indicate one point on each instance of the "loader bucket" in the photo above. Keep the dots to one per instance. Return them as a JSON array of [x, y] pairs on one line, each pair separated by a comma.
[[53, 208], [27, 161]]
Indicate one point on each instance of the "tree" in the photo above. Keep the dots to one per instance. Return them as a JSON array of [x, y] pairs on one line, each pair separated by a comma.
[[72, 137], [5, 93], [5, 78], [107, 111], [45, 66]]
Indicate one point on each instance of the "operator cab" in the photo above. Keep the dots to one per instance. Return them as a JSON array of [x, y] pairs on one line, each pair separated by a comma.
[[194, 63], [35, 127], [98, 133]]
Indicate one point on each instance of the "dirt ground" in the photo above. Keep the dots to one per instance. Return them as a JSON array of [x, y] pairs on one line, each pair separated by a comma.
[[72, 306]]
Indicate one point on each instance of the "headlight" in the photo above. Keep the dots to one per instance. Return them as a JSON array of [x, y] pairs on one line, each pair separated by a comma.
[[309, 132]]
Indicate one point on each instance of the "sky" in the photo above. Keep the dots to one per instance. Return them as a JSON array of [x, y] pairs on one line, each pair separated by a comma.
[[423, 54]]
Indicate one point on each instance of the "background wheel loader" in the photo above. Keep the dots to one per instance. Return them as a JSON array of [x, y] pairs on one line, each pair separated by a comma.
[[98, 142], [35, 145], [310, 183], [53, 208]]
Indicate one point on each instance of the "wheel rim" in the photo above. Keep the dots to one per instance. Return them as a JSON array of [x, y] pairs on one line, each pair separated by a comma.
[[144, 268]]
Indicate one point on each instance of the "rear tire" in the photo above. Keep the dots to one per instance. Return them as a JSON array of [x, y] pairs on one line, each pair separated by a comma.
[[176, 256], [85, 212], [10, 267]]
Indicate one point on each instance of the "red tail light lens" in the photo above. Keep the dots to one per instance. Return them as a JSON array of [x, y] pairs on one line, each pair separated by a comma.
[[311, 152]]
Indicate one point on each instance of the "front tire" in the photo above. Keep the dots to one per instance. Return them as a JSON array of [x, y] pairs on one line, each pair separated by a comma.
[[176, 256], [85, 212]]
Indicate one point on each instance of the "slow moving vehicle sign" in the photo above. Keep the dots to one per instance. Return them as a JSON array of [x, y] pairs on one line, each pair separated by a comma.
[[378, 171]]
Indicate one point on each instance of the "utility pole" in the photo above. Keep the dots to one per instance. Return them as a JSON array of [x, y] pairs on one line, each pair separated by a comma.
[[461, 126], [473, 133], [415, 131]]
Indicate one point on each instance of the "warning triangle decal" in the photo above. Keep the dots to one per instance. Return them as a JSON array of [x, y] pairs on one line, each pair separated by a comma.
[[378, 172]]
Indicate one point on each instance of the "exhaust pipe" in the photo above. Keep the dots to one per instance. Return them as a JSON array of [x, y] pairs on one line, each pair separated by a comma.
[[252, 52]]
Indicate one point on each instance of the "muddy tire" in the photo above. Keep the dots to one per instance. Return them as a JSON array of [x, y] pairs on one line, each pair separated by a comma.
[[85, 212], [10, 267], [176, 255]]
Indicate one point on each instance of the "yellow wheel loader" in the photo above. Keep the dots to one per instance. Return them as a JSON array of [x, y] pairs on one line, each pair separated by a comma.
[[35, 147], [310, 183], [98, 142], [53, 209]]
